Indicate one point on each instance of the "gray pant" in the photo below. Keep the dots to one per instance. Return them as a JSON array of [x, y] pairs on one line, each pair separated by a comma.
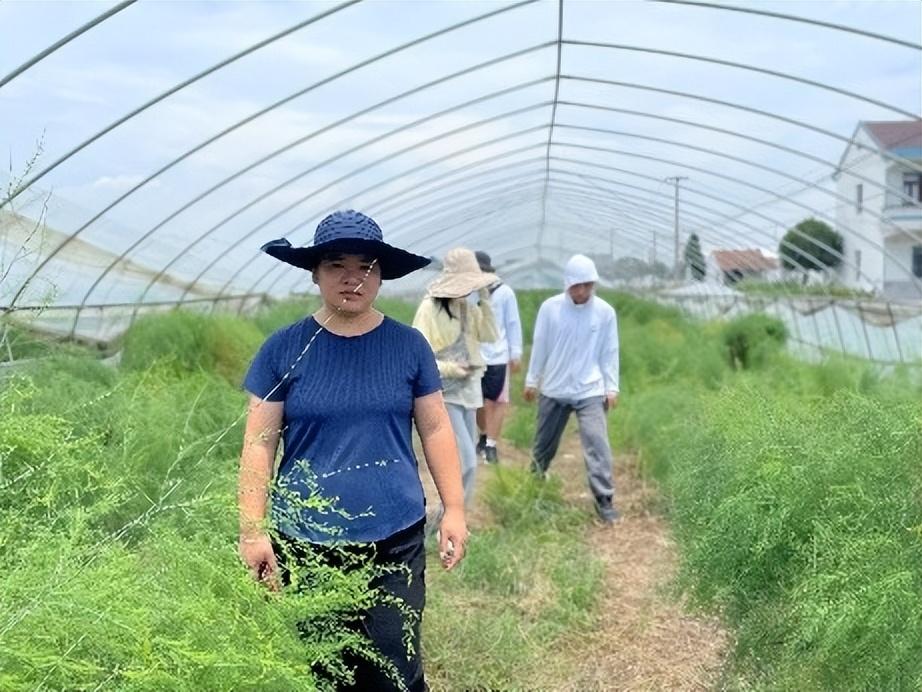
[[593, 434], [464, 425]]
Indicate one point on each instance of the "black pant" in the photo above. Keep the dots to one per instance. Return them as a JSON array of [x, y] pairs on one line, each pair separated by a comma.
[[383, 624]]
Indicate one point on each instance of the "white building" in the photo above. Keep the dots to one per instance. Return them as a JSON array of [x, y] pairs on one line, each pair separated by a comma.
[[881, 173]]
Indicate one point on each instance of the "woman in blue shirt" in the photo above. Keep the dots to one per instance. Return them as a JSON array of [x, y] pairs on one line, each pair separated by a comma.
[[341, 389]]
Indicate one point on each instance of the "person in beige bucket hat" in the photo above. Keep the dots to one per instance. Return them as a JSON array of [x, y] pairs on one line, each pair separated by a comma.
[[456, 317], [460, 276]]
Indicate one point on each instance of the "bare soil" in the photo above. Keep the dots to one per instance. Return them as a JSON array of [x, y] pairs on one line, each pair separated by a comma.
[[644, 637]]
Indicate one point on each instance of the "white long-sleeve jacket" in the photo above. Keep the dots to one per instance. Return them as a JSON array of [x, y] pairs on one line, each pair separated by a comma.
[[574, 352], [509, 325]]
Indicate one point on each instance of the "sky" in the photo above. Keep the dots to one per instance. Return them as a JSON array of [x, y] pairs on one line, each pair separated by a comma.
[[465, 161]]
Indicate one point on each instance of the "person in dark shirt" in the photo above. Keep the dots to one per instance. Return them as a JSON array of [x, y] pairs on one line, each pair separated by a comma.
[[342, 389]]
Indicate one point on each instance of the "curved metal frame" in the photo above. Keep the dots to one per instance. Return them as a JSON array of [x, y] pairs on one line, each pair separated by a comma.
[[301, 140], [632, 112], [41, 55], [748, 109], [465, 203], [746, 210], [751, 68], [670, 162], [169, 92], [847, 229], [358, 147], [453, 190], [387, 181], [239, 123], [793, 18], [468, 219]]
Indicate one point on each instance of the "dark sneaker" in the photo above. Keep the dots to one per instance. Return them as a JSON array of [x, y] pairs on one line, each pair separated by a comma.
[[489, 455], [609, 516], [539, 473], [481, 445], [606, 511]]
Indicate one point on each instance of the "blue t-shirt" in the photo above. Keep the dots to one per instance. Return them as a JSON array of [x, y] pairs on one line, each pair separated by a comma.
[[348, 471]]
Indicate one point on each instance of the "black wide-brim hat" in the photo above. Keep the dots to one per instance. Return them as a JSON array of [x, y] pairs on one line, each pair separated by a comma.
[[349, 232]]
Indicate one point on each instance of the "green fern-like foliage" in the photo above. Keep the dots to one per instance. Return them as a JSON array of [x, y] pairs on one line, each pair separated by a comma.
[[118, 524]]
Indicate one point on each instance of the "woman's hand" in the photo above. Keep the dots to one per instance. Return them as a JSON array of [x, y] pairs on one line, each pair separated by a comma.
[[441, 454], [452, 538], [260, 442], [257, 554], [454, 371]]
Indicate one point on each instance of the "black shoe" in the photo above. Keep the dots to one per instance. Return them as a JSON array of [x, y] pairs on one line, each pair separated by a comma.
[[481, 445], [607, 513], [537, 471], [609, 516], [489, 455]]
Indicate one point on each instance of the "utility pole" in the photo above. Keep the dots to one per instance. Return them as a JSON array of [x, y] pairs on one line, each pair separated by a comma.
[[676, 180]]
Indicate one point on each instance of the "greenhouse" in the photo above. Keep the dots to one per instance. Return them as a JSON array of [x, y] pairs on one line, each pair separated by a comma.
[[745, 177]]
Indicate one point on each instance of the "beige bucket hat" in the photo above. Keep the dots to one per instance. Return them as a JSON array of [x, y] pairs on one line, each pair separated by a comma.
[[460, 275]]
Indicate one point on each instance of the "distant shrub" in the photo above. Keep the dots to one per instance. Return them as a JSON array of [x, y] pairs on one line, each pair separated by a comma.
[[529, 303], [70, 387], [650, 350], [175, 438], [790, 288], [19, 341], [641, 311], [270, 318], [281, 313], [190, 341], [663, 350], [750, 340], [397, 309], [655, 421]]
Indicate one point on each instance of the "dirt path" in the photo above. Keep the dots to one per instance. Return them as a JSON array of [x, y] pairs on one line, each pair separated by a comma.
[[644, 640]]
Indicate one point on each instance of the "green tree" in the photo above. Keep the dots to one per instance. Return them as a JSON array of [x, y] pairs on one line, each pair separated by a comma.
[[811, 244], [629, 268], [694, 260], [659, 269]]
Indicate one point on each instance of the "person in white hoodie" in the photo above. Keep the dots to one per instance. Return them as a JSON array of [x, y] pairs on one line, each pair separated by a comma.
[[574, 366]]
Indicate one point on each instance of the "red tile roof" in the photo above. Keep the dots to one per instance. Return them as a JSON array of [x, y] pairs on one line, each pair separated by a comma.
[[896, 134], [743, 261]]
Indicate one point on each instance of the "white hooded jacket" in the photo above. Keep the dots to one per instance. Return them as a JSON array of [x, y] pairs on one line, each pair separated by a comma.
[[574, 352]]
